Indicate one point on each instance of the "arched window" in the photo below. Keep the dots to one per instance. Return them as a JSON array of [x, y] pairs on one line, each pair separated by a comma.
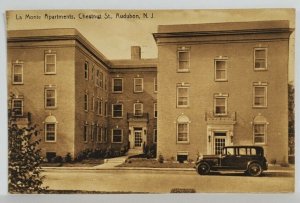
[[259, 129], [50, 129], [183, 129]]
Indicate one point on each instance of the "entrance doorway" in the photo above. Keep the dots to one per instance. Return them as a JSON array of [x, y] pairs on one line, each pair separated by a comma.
[[219, 141], [138, 139]]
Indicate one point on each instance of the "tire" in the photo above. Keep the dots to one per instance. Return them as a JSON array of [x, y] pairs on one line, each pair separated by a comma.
[[254, 169], [203, 168]]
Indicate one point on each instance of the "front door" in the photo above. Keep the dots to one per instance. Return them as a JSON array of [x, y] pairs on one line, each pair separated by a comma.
[[138, 141], [219, 142]]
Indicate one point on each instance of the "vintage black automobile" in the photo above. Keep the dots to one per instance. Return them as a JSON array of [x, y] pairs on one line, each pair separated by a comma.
[[249, 159]]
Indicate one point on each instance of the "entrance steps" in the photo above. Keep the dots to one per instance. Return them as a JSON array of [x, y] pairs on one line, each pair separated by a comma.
[[134, 151]]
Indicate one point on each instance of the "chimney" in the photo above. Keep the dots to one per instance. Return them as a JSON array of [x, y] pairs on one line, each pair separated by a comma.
[[135, 52]]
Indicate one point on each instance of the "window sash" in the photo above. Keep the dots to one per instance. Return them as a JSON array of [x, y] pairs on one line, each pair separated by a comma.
[[86, 70], [50, 132], [117, 136], [117, 85], [105, 134], [260, 58], [85, 133], [155, 84], [155, 110], [183, 60], [17, 73], [117, 110], [260, 96], [86, 102], [50, 63], [259, 133], [220, 106], [50, 98], [155, 135], [138, 84], [220, 70], [138, 109], [182, 132], [182, 96], [93, 104], [17, 107]]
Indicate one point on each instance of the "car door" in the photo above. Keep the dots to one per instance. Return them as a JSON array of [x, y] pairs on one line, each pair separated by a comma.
[[229, 158]]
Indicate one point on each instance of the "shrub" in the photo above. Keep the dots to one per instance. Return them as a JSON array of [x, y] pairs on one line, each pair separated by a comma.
[[68, 158], [160, 159], [57, 159]]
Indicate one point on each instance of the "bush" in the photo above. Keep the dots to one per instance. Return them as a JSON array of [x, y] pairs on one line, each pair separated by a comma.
[[68, 158], [57, 159], [160, 159]]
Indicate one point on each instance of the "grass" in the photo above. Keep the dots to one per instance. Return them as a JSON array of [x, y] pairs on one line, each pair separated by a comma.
[[83, 163], [152, 163]]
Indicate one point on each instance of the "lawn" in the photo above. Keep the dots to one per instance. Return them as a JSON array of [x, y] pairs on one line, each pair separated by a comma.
[[83, 163], [152, 163]]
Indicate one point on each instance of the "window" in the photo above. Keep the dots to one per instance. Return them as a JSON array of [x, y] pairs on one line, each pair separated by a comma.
[[259, 133], [260, 59], [50, 97], [117, 110], [105, 134], [259, 129], [220, 104], [138, 109], [117, 136], [50, 129], [101, 107], [117, 85], [182, 156], [98, 78], [86, 101], [105, 82], [220, 70], [105, 108], [93, 72], [155, 135], [50, 63], [85, 132], [155, 85], [99, 134], [155, 110], [50, 132], [260, 95], [93, 103], [86, 70], [101, 79], [138, 85], [98, 107], [182, 96], [183, 59], [183, 129], [17, 73], [92, 132], [17, 107]]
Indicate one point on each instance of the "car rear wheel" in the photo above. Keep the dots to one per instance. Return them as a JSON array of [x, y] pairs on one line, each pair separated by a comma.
[[203, 168], [254, 169]]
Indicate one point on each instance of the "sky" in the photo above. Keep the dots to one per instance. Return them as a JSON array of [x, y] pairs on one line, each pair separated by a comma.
[[114, 37]]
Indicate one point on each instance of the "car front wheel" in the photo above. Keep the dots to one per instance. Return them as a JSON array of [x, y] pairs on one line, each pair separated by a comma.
[[203, 169], [254, 169]]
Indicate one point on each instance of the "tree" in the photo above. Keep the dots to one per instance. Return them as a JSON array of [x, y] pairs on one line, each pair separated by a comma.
[[24, 171]]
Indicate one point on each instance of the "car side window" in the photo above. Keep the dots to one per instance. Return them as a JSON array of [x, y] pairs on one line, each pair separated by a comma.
[[253, 151], [230, 151], [242, 151]]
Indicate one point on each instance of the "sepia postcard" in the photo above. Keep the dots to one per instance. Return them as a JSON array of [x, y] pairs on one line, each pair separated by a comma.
[[151, 101]]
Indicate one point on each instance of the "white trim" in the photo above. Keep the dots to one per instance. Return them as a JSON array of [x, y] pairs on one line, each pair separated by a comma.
[[113, 84], [225, 69], [112, 112], [13, 73], [135, 85], [221, 96], [46, 63], [134, 109], [112, 137], [266, 58], [264, 85]]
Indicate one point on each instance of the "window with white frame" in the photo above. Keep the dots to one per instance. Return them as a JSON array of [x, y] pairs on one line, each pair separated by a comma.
[[86, 70], [101, 79], [220, 70], [117, 85], [93, 103], [259, 133], [86, 101], [117, 110], [155, 135], [99, 134], [220, 104], [105, 135], [260, 58], [17, 73], [50, 132], [98, 78], [98, 107], [50, 97], [183, 129], [155, 110], [50, 63], [105, 82], [260, 95], [155, 85], [92, 132], [138, 85], [17, 107], [138, 109], [117, 136], [183, 55], [182, 96], [85, 132], [101, 107]]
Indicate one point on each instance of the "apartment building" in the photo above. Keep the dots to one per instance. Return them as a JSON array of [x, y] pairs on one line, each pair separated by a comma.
[[78, 98], [222, 84]]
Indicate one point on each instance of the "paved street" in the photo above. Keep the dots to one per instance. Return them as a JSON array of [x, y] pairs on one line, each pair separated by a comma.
[[155, 181]]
